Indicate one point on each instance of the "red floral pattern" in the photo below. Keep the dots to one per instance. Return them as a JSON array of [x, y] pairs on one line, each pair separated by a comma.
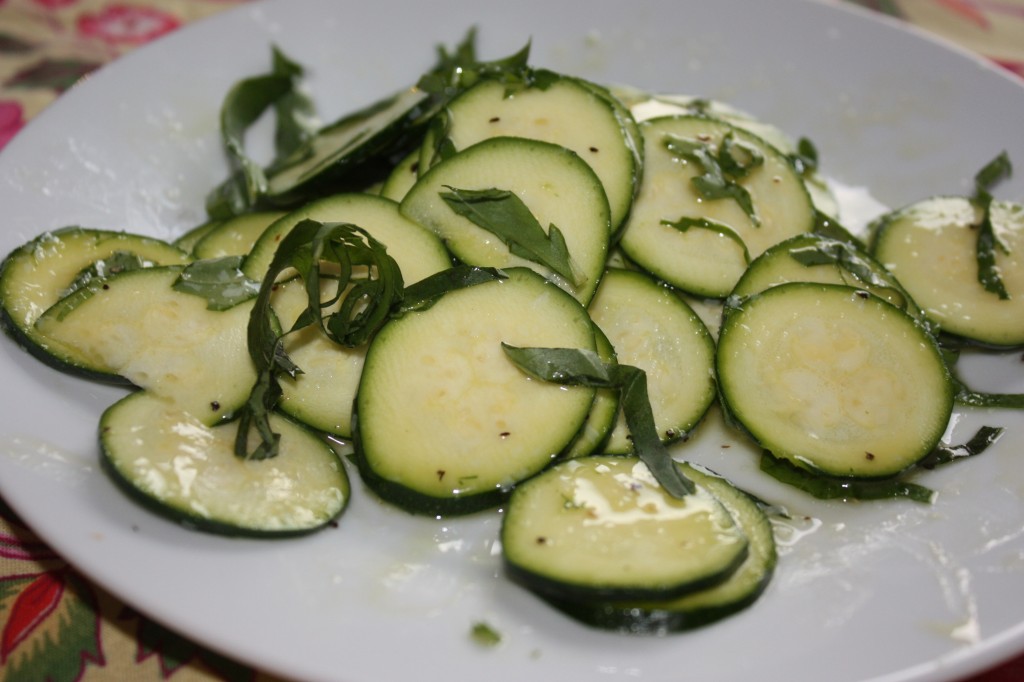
[[11, 119], [118, 24]]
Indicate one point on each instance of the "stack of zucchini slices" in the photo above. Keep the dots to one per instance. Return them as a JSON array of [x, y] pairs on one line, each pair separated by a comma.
[[372, 284]]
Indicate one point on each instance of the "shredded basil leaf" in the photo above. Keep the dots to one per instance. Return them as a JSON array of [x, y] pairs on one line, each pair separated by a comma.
[[219, 280], [826, 487], [369, 291], [721, 169], [117, 262], [944, 454], [685, 223], [504, 214], [988, 177], [244, 104]]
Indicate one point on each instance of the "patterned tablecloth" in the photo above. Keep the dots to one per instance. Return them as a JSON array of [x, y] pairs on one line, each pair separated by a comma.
[[56, 626]]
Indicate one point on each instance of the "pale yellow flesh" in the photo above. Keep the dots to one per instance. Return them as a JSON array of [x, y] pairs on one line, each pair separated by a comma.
[[443, 411], [703, 261], [164, 341], [322, 395], [553, 183], [38, 279], [651, 328], [235, 237], [417, 252], [172, 457], [604, 521], [832, 380], [565, 113]]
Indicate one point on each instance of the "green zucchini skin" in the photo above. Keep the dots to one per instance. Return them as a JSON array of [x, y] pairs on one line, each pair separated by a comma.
[[833, 379], [186, 471], [737, 593], [444, 423], [36, 275], [600, 528]]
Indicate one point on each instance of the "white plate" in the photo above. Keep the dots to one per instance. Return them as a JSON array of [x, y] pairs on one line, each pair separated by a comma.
[[888, 590]]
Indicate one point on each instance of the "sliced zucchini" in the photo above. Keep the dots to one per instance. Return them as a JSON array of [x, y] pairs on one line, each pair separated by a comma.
[[650, 327], [559, 109], [601, 528], [321, 396], [739, 591], [346, 154], [187, 470], [444, 422], [691, 225], [555, 185], [418, 252], [187, 241], [138, 326], [931, 247], [645, 106], [402, 177], [603, 413], [234, 236], [36, 275], [817, 258], [833, 379]]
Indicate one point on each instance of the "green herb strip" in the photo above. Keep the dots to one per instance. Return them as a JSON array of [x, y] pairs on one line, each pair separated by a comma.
[[245, 102], [503, 214], [580, 367], [823, 486], [219, 280], [684, 224], [722, 168], [366, 301], [988, 177]]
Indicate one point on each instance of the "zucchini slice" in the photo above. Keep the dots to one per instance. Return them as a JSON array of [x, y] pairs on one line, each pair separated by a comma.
[[417, 252], [187, 470], [650, 327], [931, 247], [555, 185], [138, 326], [817, 258], [697, 233], [402, 177], [833, 379], [559, 109], [601, 528], [234, 236], [36, 275], [645, 106], [444, 422], [343, 154], [188, 240], [739, 591], [603, 413]]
